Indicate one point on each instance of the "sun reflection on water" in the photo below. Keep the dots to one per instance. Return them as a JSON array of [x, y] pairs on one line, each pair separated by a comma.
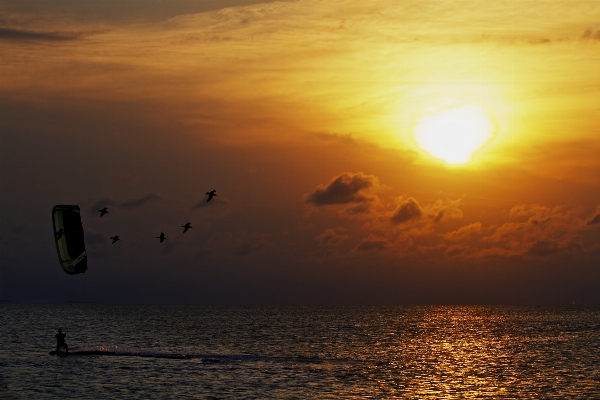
[[307, 352]]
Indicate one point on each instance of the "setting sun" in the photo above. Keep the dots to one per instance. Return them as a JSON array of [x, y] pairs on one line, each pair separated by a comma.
[[454, 135]]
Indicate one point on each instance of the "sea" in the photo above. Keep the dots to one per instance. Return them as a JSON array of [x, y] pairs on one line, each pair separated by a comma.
[[300, 352]]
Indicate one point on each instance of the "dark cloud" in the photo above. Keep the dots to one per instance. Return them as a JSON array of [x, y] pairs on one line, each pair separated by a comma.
[[464, 232], [127, 204], [343, 189], [135, 203], [336, 137], [373, 244], [543, 248], [332, 237], [12, 235], [17, 230], [93, 238], [443, 210], [170, 246], [589, 34], [239, 244], [17, 34], [595, 220], [407, 210], [456, 250], [122, 11], [247, 248], [215, 202], [358, 209], [439, 216]]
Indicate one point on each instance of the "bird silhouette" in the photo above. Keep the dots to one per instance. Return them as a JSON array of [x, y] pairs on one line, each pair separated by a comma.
[[103, 211], [162, 237], [186, 227], [115, 239], [211, 194]]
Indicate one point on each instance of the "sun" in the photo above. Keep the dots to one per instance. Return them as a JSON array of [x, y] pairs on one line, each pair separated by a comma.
[[455, 134]]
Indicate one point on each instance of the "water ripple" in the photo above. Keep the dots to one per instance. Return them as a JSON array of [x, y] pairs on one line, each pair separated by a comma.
[[301, 352]]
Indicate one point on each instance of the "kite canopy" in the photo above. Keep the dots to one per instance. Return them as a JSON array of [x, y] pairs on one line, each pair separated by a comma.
[[68, 235]]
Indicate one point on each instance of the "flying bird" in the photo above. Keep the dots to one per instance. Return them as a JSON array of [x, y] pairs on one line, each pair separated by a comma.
[[211, 194], [114, 239], [103, 211], [186, 227], [162, 237]]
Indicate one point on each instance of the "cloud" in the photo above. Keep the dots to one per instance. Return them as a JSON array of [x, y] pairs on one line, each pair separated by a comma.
[[93, 238], [336, 137], [215, 202], [589, 34], [526, 231], [543, 248], [456, 250], [538, 231], [464, 232], [17, 229], [534, 213], [372, 243], [124, 11], [444, 210], [17, 34], [239, 244], [127, 204], [332, 237], [407, 210], [10, 236], [343, 189], [359, 209], [135, 203], [170, 246], [595, 220]]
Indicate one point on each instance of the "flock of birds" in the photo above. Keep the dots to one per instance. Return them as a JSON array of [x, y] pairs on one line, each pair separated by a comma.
[[162, 236]]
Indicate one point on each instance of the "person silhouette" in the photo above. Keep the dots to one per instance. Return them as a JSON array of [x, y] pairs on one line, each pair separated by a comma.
[[60, 341]]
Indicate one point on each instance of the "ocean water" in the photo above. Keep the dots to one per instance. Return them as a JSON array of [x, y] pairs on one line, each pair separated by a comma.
[[227, 352]]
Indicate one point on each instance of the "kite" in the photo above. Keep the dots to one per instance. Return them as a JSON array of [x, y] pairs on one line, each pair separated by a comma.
[[68, 235]]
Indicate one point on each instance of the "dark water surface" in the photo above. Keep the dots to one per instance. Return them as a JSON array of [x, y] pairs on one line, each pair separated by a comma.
[[219, 352]]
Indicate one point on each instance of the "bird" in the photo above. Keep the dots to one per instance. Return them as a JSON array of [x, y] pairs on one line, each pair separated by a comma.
[[162, 237], [186, 227], [114, 239], [103, 211], [211, 194]]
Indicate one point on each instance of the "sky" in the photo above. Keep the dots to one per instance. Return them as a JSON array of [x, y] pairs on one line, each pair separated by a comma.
[[305, 117]]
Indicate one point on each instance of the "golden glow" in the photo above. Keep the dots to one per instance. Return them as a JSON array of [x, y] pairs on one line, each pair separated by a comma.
[[454, 135]]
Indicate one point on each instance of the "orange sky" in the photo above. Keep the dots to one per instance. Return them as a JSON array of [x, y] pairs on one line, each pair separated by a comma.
[[302, 116]]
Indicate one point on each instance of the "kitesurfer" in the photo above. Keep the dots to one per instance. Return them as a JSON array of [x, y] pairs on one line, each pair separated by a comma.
[[186, 227], [103, 211], [60, 341], [211, 194]]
